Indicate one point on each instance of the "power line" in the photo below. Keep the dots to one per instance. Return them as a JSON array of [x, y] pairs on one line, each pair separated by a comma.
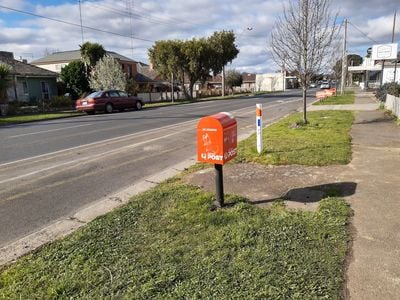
[[127, 14], [152, 19], [74, 24], [363, 33]]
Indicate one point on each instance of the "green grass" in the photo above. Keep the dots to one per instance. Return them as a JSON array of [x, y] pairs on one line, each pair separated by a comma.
[[167, 244], [346, 98], [36, 117], [165, 103], [325, 140]]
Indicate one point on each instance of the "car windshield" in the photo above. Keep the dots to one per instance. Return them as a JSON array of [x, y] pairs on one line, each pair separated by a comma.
[[94, 94]]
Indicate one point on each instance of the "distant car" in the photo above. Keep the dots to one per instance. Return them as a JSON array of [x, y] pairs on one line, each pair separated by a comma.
[[325, 85], [313, 85], [108, 101]]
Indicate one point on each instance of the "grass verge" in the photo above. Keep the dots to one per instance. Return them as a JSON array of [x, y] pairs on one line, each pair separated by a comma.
[[36, 117], [167, 244], [347, 98], [325, 140]]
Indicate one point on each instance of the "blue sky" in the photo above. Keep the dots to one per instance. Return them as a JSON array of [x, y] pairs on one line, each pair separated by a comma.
[[31, 37]]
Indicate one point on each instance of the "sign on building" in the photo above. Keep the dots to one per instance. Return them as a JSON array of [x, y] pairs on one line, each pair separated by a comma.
[[384, 51]]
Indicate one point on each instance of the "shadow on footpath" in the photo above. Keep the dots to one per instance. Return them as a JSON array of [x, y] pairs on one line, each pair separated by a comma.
[[315, 193]]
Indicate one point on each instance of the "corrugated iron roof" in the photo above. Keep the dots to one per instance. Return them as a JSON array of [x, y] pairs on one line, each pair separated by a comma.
[[68, 56], [24, 69]]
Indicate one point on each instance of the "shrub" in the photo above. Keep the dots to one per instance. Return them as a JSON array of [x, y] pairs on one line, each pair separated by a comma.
[[61, 101], [392, 88]]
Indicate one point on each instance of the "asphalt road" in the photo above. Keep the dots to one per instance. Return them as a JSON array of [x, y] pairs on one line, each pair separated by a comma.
[[50, 170]]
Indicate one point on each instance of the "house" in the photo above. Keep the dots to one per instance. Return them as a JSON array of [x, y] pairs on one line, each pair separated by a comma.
[[29, 82], [249, 82], [150, 80], [57, 60], [270, 82]]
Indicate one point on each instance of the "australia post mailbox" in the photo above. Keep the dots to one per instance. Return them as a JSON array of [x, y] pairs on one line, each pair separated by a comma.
[[217, 138]]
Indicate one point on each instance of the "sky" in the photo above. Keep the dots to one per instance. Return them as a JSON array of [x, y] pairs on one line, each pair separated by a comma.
[[130, 27]]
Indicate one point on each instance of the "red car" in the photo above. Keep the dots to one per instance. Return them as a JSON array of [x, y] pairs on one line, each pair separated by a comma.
[[108, 101]]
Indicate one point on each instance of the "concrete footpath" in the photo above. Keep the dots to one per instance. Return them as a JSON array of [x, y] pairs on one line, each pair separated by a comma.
[[374, 266], [370, 183]]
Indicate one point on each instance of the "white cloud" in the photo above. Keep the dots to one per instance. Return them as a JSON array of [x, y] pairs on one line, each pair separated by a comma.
[[177, 19]]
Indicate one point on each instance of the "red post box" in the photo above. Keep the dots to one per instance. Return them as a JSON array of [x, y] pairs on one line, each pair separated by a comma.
[[217, 138]]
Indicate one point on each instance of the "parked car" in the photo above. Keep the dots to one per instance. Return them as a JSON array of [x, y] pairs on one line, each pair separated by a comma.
[[325, 85], [313, 85], [108, 101]]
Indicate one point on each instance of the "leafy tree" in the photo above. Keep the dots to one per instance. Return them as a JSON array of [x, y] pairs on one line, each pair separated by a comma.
[[197, 62], [301, 38], [193, 59], [224, 51], [5, 71], [352, 60], [233, 78], [167, 58], [91, 53], [182, 58], [74, 77], [107, 74]]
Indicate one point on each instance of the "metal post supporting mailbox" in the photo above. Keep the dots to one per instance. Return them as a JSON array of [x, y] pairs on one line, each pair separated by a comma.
[[217, 144]]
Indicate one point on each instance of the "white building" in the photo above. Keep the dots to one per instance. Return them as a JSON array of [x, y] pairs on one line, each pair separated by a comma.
[[270, 82]]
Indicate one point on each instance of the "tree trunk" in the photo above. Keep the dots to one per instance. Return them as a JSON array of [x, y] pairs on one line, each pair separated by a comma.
[[305, 105], [191, 84], [223, 81]]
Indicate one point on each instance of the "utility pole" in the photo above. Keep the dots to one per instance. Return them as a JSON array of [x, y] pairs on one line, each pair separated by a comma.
[[80, 18], [344, 59], [393, 33], [223, 81], [172, 87], [130, 6]]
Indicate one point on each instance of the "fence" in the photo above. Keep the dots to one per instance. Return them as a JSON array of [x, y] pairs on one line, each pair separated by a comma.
[[162, 96], [393, 103]]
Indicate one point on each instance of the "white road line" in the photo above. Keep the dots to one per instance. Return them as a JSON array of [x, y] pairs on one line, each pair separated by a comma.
[[273, 105], [129, 136], [97, 143], [46, 131], [90, 158]]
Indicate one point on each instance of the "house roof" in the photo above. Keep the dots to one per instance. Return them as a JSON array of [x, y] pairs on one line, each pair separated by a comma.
[[141, 78], [24, 69], [148, 72], [215, 79], [67, 56], [248, 77]]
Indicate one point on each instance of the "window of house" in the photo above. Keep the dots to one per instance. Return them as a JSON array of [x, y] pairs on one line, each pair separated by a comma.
[[129, 71], [45, 90], [25, 87]]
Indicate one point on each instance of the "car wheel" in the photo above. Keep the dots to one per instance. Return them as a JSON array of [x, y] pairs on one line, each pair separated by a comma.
[[109, 108], [139, 105], [90, 112]]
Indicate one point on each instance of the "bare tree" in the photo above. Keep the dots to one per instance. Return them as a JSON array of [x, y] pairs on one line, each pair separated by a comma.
[[301, 37]]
